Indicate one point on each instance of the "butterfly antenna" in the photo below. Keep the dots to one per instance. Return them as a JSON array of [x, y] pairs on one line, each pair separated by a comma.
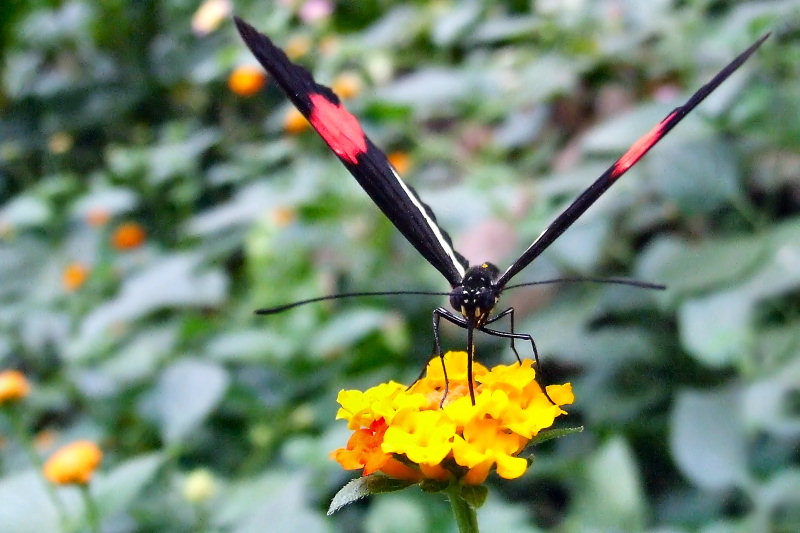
[[285, 307], [581, 279]]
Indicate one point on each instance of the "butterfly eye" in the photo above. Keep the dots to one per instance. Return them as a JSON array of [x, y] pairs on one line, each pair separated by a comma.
[[457, 298]]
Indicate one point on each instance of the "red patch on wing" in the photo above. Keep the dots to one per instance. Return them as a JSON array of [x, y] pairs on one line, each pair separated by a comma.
[[639, 148], [338, 127]]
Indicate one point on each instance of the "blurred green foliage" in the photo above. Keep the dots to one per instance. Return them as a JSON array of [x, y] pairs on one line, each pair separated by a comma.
[[115, 112]]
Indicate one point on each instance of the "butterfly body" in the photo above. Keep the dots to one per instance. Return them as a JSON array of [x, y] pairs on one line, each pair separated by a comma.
[[477, 294]]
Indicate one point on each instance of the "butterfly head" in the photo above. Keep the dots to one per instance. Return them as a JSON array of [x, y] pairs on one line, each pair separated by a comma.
[[476, 296]]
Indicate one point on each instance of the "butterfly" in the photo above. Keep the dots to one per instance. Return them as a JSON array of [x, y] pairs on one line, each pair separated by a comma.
[[474, 289]]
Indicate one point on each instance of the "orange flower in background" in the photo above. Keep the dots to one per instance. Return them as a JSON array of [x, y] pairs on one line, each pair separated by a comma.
[[247, 80], [45, 439], [401, 161], [295, 122], [74, 463], [13, 386], [282, 216], [347, 85], [74, 276], [97, 217], [128, 236], [396, 425]]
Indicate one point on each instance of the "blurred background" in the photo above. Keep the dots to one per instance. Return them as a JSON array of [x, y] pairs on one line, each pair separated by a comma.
[[156, 188]]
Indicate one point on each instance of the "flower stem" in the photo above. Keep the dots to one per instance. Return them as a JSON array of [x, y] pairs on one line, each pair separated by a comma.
[[466, 518], [92, 516], [33, 456]]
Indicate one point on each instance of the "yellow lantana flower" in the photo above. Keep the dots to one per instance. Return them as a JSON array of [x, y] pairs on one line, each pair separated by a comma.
[[74, 463], [13, 386], [406, 426]]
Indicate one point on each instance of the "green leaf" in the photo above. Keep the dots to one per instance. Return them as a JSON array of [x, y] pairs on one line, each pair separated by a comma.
[[455, 22], [610, 498], [364, 486], [174, 280], [346, 328], [718, 329], [116, 490], [276, 501], [184, 395], [684, 267], [770, 403], [550, 434], [25, 211], [25, 507], [475, 495], [707, 438], [433, 485], [500, 515], [399, 512]]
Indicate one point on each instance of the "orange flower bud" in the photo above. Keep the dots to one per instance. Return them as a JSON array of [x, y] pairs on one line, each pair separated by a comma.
[[97, 217], [295, 122], [247, 80], [13, 386], [281, 216], [127, 236], [401, 161], [74, 463], [74, 276], [45, 439]]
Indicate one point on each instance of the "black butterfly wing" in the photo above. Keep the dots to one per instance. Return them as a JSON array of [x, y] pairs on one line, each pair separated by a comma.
[[365, 161], [620, 166]]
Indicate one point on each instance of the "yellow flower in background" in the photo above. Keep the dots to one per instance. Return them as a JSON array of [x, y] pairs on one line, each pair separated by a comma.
[[74, 463], [347, 85], [60, 143], [247, 80], [210, 15], [295, 122], [199, 486], [13, 386], [396, 425], [297, 46]]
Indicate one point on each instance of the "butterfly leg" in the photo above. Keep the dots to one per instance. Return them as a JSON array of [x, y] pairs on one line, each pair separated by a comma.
[[438, 314], [523, 337], [510, 313]]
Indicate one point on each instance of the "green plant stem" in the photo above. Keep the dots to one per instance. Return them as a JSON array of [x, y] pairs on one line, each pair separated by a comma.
[[26, 442], [466, 518], [92, 516]]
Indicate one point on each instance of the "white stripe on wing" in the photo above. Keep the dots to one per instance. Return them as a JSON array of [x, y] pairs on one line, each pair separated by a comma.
[[446, 246]]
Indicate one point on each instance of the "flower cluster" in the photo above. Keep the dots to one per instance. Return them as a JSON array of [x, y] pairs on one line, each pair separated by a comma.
[[405, 433]]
